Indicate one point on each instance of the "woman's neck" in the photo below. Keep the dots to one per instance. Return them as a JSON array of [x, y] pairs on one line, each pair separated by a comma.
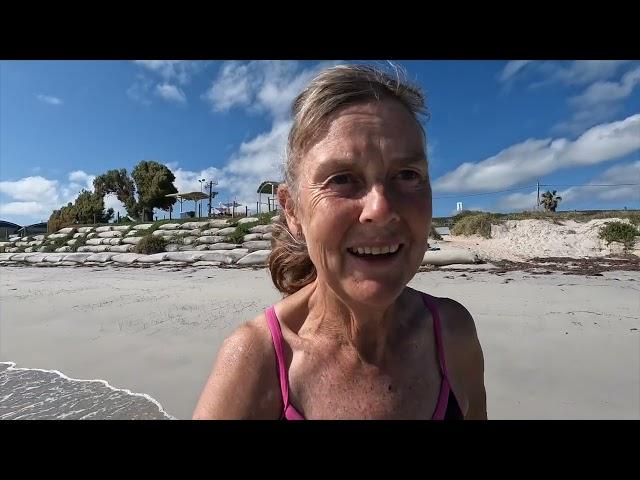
[[370, 330]]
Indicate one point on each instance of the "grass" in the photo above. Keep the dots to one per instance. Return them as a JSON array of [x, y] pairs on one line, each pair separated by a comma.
[[80, 242], [619, 232], [479, 224], [476, 222], [150, 244]]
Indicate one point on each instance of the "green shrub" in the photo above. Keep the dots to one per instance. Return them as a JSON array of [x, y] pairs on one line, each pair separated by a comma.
[[434, 234], [242, 230], [80, 242], [151, 244], [479, 224], [619, 232]]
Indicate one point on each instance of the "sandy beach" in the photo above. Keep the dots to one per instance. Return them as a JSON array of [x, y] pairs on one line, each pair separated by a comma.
[[556, 346]]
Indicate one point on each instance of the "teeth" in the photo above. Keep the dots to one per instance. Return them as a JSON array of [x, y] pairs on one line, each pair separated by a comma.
[[375, 250]]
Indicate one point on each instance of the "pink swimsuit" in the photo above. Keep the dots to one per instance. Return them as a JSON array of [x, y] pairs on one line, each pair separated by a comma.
[[446, 408]]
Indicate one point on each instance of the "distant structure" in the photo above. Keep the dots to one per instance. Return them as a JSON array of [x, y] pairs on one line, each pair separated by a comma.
[[459, 207]]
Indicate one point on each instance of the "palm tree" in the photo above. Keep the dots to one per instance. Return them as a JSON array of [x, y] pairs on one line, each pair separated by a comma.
[[550, 201]]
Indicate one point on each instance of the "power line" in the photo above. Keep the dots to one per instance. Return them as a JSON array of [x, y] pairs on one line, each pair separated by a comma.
[[533, 187]]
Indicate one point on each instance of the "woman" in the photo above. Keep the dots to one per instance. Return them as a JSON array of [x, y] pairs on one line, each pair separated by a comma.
[[350, 339]]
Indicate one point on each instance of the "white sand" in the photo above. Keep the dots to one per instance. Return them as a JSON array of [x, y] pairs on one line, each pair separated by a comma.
[[526, 239], [556, 346]]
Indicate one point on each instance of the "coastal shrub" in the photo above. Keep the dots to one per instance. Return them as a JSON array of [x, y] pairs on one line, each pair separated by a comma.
[[150, 244], [619, 232]]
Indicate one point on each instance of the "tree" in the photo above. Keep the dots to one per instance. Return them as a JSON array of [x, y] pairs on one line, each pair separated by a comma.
[[87, 208], [154, 182], [151, 181], [550, 201], [118, 182]]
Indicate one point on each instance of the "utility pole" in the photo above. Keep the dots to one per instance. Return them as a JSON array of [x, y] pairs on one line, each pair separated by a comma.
[[210, 194], [538, 202]]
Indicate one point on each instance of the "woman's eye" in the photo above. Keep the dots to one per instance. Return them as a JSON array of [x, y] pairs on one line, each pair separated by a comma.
[[341, 179], [408, 175]]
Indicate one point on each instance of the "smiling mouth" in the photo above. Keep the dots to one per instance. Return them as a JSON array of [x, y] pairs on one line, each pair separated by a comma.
[[376, 253]]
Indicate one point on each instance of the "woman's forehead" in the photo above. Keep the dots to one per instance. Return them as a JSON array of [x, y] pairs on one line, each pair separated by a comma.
[[385, 125]]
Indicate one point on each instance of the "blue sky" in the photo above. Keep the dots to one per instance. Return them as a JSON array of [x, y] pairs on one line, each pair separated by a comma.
[[495, 128]]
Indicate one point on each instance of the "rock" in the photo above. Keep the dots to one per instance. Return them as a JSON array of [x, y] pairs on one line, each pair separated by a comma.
[[211, 240], [261, 229], [218, 223], [248, 220], [121, 248], [54, 257], [222, 246], [259, 257], [252, 236], [257, 245], [188, 257], [194, 225], [153, 258], [127, 258], [448, 257], [100, 257], [169, 226], [131, 240], [110, 234], [76, 257], [35, 258]]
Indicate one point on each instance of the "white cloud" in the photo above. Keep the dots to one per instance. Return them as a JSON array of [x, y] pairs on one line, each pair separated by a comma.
[[79, 176], [31, 189], [517, 202], [533, 158], [607, 91], [511, 69], [171, 93], [28, 209], [49, 99], [140, 90], [260, 86], [624, 174], [569, 73], [180, 71]]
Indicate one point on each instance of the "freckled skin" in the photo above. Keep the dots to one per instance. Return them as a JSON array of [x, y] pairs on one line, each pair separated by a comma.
[[359, 343]]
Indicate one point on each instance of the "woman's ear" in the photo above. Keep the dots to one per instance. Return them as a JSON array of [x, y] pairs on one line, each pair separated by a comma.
[[288, 207]]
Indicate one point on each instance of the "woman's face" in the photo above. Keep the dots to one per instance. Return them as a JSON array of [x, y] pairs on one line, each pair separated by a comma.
[[364, 201]]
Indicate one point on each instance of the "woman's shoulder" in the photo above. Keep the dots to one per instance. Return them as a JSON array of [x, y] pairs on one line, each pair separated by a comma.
[[455, 319], [244, 371]]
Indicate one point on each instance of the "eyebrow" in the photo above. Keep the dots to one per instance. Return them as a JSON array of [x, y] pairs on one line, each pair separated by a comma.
[[339, 163]]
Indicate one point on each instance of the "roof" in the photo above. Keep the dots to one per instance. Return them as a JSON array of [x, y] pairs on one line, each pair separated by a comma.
[[189, 196], [269, 186]]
